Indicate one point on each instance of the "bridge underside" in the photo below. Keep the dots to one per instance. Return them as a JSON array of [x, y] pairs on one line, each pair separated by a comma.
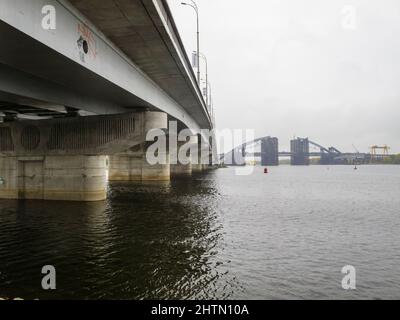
[[133, 60], [50, 81]]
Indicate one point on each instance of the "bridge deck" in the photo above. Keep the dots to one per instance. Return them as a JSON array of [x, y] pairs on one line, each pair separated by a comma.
[[135, 59], [145, 31]]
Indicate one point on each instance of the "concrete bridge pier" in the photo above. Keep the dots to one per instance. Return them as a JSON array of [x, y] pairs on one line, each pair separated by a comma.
[[69, 178], [133, 165], [181, 170], [62, 159], [204, 158], [197, 165], [186, 162]]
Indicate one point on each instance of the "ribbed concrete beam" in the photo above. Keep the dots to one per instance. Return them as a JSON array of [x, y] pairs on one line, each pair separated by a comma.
[[133, 164], [94, 135]]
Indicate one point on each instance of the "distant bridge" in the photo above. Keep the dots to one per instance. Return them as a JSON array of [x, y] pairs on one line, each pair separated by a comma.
[[300, 153]]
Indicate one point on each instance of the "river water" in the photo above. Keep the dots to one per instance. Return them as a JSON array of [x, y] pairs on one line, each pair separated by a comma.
[[221, 235]]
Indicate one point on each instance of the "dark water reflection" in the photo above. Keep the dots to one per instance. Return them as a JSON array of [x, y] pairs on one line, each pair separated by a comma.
[[147, 241]]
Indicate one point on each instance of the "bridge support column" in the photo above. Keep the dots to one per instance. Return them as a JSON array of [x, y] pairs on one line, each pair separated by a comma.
[[300, 151], [209, 157], [69, 178], [197, 166], [269, 152], [133, 165], [183, 165], [202, 160]]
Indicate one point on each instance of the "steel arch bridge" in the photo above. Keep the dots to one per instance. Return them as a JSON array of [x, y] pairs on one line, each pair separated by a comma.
[[270, 153]]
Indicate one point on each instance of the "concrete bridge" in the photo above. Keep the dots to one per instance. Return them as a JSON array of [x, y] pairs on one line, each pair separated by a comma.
[[77, 100]]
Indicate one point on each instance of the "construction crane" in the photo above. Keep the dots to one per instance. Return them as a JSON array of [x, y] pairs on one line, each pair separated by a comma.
[[374, 152]]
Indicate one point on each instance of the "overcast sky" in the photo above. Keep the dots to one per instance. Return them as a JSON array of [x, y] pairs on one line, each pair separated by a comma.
[[328, 70]]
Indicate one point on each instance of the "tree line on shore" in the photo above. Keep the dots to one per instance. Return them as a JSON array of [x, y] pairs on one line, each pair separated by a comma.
[[394, 159]]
